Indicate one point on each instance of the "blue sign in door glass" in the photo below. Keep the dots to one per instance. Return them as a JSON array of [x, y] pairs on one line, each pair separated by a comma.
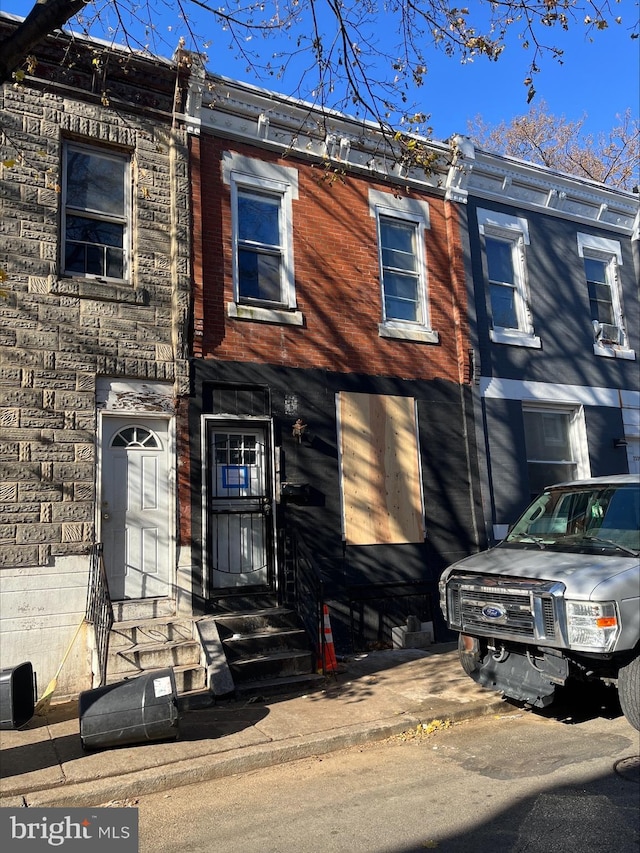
[[235, 476]]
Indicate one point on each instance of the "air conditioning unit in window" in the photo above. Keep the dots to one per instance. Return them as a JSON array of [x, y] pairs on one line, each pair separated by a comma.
[[607, 333]]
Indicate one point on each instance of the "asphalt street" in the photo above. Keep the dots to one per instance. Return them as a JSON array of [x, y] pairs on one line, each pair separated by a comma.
[[513, 783]]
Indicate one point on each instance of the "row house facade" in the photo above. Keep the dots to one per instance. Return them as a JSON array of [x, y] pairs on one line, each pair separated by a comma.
[[330, 427], [553, 264], [95, 255], [251, 364], [403, 422]]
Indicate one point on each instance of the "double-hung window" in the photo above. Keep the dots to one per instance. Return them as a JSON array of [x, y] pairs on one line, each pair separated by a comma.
[[260, 255], [262, 239], [555, 445], [597, 272], [401, 284], [95, 224], [503, 286], [602, 258], [505, 238], [401, 225]]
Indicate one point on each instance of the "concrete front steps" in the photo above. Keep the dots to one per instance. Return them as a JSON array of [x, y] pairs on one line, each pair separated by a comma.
[[147, 636], [267, 651], [139, 646], [258, 651]]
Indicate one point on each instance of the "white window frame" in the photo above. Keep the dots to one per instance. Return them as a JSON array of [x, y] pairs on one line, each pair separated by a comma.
[[515, 231], [609, 251], [281, 182], [416, 213], [577, 433], [125, 220]]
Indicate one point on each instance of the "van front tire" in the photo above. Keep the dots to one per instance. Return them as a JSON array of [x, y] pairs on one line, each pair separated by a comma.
[[629, 692]]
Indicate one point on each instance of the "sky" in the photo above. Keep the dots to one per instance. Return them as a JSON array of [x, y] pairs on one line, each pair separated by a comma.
[[598, 80]]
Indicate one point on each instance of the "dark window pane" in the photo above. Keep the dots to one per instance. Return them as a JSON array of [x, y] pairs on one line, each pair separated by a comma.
[[398, 244], [259, 276], [84, 229], [259, 219], [96, 182], [94, 247], [397, 309], [547, 436], [114, 263], [600, 296], [401, 297], [546, 474], [221, 449], [500, 260], [595, 270], [124, 437], [503, 307], [74, 258], [95, 260], [248, 274]]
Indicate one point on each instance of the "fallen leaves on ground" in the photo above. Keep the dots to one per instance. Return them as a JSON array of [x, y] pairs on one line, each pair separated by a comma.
[[423, 730]]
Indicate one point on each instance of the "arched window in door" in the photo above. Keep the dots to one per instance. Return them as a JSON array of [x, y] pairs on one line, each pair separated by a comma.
[[134, 437]]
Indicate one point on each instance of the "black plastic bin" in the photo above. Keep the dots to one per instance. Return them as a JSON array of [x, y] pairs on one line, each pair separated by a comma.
[[17, 696], [141, 709]]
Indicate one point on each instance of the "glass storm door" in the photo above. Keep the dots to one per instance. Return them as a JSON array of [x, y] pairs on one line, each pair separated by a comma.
[[239, 518], [135, 512]]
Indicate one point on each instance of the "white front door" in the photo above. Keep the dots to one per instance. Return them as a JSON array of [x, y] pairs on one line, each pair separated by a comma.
[[136, 506]]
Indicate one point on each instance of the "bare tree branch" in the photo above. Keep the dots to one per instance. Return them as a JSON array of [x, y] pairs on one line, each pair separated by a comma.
[[45, 17], [350, 67]]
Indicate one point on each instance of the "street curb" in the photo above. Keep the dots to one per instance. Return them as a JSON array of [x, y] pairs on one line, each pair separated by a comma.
[[106, 790]]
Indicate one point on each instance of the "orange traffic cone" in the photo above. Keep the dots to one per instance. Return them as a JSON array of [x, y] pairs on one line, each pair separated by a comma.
[[330, 664]]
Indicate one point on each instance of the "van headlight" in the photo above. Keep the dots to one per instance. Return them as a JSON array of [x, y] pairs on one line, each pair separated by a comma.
[[592, 625]]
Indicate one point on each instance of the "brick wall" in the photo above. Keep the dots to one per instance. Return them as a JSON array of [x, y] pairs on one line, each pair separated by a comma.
[[337, 279]]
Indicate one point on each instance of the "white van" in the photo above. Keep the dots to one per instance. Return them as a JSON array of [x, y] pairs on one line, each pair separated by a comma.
[[558, 599]]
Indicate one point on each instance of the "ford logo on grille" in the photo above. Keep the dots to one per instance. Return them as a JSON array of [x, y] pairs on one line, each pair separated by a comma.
[[493, 611]]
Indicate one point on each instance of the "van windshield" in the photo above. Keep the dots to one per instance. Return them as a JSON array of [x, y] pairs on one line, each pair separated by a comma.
[[582, 519]]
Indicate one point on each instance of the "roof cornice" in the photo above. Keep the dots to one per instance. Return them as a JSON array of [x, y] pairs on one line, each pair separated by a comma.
[[234, 110], [482, 174]]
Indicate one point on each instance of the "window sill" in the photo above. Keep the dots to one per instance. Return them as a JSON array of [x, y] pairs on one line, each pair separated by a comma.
[[282, 317], [514, 338], [99, 289], [614, 351], [418, 335]]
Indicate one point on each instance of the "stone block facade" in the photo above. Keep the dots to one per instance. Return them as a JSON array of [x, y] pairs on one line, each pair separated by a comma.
[[59, 334]]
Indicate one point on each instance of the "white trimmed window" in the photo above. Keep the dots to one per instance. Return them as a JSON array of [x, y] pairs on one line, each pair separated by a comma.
[[262, 237], [96, 220], [505, 238], [555, 440], [602, 258], [260, 248], [401, 224]]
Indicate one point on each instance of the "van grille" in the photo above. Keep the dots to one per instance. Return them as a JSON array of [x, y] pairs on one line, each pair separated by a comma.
[[502, 607]]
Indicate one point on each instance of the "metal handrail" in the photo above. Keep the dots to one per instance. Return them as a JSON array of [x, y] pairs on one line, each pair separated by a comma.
[[306, 590], [99, 611]]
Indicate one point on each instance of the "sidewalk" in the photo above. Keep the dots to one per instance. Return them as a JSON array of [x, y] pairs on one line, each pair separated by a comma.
[[381, 693]]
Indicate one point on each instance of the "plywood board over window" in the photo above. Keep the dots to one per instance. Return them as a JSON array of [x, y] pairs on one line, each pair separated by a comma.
[[380, 470]]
